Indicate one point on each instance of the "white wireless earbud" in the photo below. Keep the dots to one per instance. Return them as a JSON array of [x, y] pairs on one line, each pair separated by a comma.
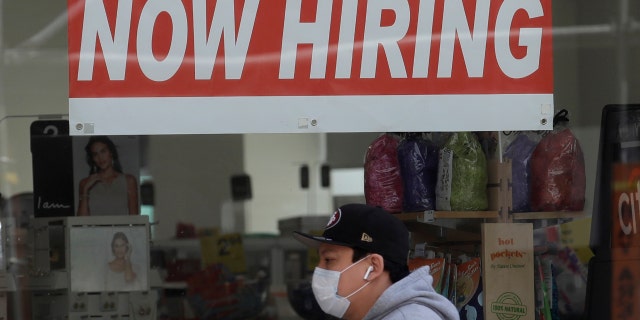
[[366, 275]]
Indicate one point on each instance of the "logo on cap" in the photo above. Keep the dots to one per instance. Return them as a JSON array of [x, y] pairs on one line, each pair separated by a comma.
[[335, 218], [366, 238]]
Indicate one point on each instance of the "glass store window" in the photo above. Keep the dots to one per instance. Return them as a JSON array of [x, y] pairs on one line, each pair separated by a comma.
[[242, 194]]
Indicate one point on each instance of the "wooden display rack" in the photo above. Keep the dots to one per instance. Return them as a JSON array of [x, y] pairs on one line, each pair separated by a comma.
[[500, 204], [461, 230]]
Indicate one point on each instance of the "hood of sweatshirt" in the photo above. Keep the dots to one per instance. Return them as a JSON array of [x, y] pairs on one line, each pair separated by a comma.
[[413, 295]]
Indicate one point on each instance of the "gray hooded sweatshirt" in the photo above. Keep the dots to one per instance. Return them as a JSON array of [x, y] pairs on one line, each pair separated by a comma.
[[413, 298]]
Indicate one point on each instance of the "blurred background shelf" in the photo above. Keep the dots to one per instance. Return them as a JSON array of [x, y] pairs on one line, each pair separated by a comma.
[[548, 215]]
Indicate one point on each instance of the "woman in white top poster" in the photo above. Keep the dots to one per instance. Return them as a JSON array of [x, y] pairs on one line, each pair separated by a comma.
[[122, 274], [107, 190]]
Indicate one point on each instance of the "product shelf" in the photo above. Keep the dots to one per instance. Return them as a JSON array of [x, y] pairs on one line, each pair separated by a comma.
[[447, 226], [548, 215], [423, 215]]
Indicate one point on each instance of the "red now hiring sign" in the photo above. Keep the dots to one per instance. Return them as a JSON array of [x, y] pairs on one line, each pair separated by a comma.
[[237, 66]]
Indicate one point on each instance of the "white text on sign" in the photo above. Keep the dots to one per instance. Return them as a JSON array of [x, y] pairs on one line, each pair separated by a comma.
[[207, 36]]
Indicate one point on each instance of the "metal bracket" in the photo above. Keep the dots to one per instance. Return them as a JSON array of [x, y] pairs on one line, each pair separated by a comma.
[[427, 216]]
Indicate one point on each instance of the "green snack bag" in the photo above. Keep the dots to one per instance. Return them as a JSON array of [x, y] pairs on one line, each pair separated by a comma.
[[469, 173]]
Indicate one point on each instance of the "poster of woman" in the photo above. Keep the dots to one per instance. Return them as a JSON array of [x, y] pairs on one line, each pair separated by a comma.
[[106, 174], [112, 259]]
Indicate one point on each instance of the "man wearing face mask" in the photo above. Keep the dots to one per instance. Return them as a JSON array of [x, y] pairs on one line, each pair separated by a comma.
[[363, 273]]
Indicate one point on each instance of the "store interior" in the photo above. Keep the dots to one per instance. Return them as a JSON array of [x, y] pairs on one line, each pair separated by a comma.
[[292, 177]]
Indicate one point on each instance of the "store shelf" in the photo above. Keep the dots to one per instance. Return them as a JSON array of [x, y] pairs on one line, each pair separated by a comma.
[[548, 215], [446, 226], [251, 243], [464, 226], [51, 281], [421, 216], [187, 243], [439, 215]]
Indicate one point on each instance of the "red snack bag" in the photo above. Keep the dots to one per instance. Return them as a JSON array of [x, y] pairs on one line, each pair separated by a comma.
[[558, 178], [382, 176]]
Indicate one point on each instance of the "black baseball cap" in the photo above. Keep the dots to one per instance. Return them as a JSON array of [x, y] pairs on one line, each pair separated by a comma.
[[369, 228]]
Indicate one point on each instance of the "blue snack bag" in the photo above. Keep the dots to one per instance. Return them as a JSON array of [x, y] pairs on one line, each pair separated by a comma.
[[418, 160]]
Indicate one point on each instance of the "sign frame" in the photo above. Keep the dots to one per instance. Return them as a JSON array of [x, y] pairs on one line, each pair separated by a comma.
[[355, 66]]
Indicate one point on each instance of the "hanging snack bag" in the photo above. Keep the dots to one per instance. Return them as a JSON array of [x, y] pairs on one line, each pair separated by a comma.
[[382, 177], [418, 160], [462, 174], [520, 151], [469, 290], [436, 269], [558, 178]]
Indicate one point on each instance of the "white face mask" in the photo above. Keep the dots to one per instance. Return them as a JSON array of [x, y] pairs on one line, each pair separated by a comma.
[[325, 288]]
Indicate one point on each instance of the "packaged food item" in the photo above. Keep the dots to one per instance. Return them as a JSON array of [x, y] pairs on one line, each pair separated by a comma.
[[452, 294], [446, 278], [519, 151], [558, 178], [443, 184], [462, 174], [469, 290], [564, 255], [436, 265], [418, 160], [382, 177]]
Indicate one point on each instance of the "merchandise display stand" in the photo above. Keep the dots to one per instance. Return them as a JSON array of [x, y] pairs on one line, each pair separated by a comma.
[[461, 230], [66, 261]]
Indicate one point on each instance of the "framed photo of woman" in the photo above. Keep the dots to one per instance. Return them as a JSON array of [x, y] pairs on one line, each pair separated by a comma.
[[109, 258]]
